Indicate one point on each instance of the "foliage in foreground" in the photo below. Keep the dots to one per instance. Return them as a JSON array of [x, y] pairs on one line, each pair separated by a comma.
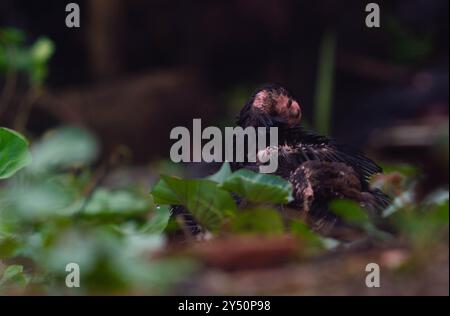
[[53, 214], [48, 219]]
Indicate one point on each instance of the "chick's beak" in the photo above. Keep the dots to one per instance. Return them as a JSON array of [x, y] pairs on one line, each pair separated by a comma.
[[294, 113]]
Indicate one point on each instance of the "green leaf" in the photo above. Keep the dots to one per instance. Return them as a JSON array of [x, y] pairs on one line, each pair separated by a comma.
[[63, 148], [14, 153], [40, 53], [14, 59], [13, 273], [304, 232], [258, 187], [208, 203], [40, 199], [264, 221], [15, 56], [163, 194], [104, 202], [81, 244], [350, 211], [221, 175], [423, 224], [404, 168], [158, 222], [138, 243], [442, 213], [42, 50], [38, 73], [8, 244], [312, 243], [353, 213]]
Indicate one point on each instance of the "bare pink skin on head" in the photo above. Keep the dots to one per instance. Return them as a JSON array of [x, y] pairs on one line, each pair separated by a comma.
[[280, 105]]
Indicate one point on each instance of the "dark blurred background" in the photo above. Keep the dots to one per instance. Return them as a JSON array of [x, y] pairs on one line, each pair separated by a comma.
[[135, 69]]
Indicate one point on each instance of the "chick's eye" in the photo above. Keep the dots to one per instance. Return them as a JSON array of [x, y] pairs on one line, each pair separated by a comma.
[[289, 103]]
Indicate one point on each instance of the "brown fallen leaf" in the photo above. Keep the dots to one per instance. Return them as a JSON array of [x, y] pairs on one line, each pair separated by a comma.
[[245, 251]]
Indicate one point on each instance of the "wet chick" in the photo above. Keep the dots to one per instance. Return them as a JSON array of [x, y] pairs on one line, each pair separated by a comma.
[[319, 168]]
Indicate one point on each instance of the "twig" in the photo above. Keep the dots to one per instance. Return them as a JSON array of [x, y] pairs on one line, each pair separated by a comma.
[[99, 176], [25, 108], [10, 80], [8, 90]]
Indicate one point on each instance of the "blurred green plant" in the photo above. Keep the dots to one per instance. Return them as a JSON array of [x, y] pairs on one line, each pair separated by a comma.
[[13, 274], [258, 188], [48, 219], [260, 220], [16, 56], [66, 147], [354, 214], [14, 153], [20, 60], [324, 84]]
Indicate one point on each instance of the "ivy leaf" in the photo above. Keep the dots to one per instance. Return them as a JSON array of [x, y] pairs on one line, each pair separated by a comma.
[[258, 187], [14, 153]]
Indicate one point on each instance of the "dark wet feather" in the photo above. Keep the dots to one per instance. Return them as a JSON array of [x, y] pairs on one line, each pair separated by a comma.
[[306, 145]]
